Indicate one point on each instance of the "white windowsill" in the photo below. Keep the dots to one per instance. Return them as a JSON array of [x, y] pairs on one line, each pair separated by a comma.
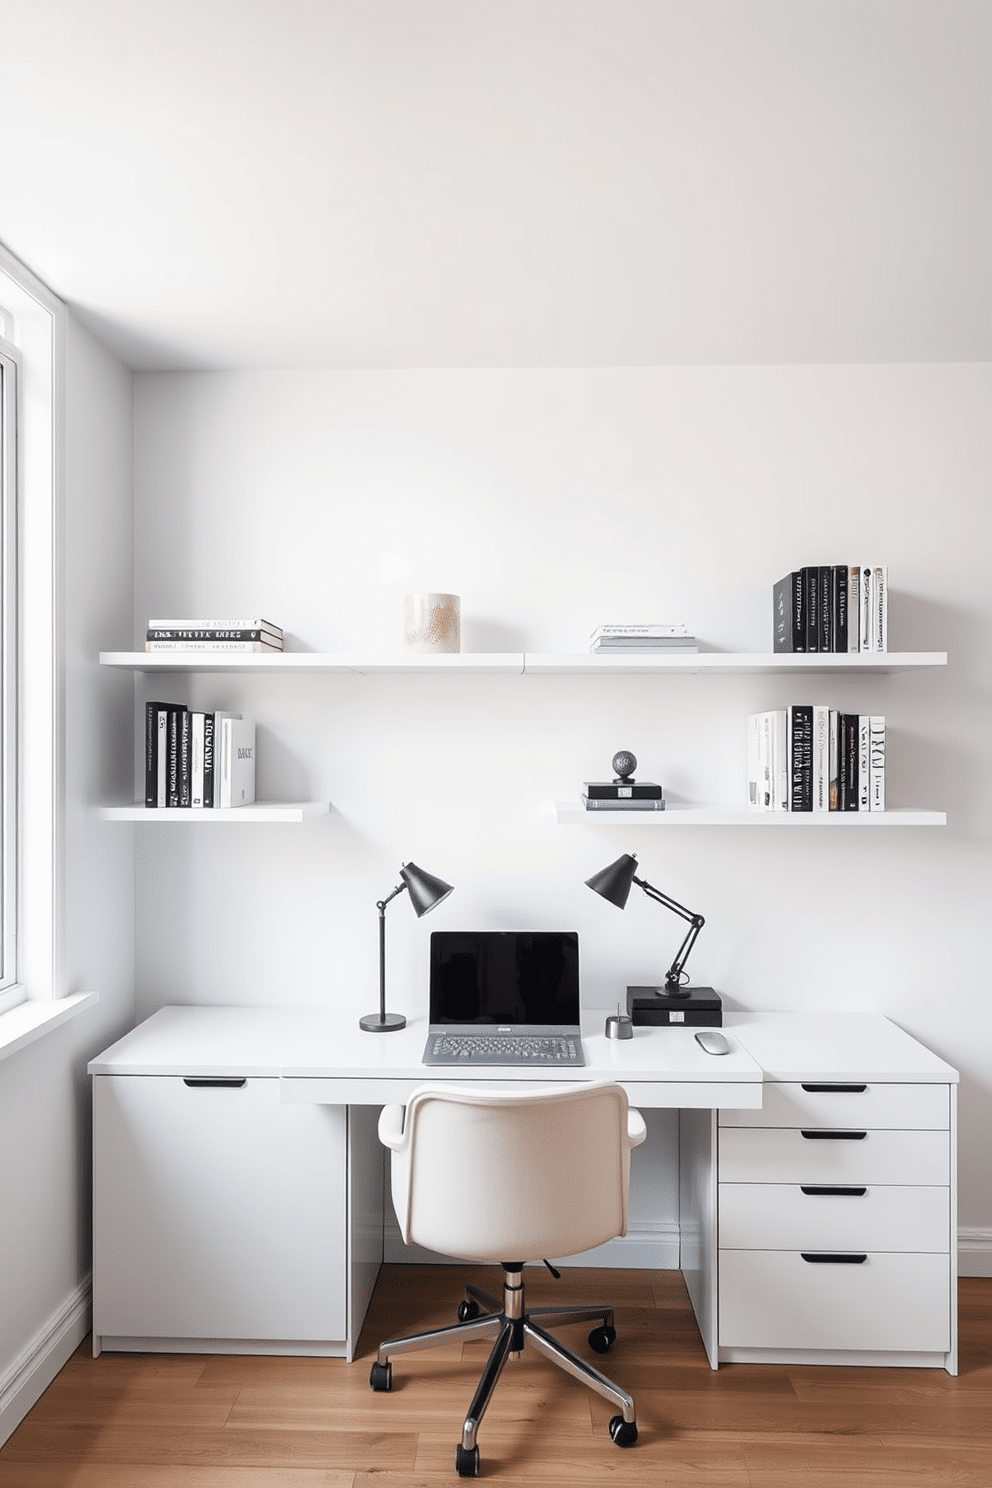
[[21, 1025]]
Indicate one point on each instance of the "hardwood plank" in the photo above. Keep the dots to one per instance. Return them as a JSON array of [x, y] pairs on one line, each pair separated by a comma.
[[133, 1475], [529, 1456], [224, 1447]]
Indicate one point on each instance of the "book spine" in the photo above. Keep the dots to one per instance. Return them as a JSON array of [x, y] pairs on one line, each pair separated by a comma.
[[811, 613], [825, 609], [864, 786], [789, 632], [853, 608], [779, 762], [196, 760], [840, 607], [848, 762], [757, 790], [833, 794], [820, 768], [172, 633], [800, 737], [865, 610], [208, 760], [598, 791], [172, 788], [592, 805], [151, 754], [876, 763], [210, 624], [212, 646], [162, 759], [880, 608], [185, 723]]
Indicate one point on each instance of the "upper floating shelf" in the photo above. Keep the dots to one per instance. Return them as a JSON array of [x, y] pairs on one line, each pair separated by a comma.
[[532, 662]]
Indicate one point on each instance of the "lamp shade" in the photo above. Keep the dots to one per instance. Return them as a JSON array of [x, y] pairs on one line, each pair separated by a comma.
[[425, 889], [614, 882]]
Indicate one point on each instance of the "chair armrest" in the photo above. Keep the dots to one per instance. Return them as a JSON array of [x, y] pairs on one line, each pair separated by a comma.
[[391, 1127], [636, 1129]]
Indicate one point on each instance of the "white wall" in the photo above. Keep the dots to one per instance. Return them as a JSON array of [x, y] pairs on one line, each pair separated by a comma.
[[44, 1091], [551, 501]]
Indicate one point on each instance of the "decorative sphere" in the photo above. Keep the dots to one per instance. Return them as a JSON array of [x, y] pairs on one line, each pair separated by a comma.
[[624, 763]]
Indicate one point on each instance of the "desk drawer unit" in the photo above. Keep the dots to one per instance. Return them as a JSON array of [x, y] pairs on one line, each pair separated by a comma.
[[834, 1224]]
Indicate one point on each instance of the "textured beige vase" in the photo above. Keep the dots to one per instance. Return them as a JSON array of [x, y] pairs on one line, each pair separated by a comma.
[[432, 623]]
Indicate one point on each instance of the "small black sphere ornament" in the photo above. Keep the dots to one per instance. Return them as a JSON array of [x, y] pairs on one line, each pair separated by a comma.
[[624, 763]]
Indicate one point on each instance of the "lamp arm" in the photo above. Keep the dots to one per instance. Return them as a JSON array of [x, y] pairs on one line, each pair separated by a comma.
[[381, 907], [696, 922]]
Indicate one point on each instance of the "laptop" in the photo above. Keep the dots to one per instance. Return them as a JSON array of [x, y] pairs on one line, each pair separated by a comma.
[[504, 997]]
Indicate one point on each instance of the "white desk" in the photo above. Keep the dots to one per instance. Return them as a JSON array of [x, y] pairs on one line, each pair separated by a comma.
[[247, 1216]]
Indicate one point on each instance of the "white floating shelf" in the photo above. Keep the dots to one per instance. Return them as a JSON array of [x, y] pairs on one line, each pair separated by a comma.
[[538, 663], [261, 811], [573, 813]]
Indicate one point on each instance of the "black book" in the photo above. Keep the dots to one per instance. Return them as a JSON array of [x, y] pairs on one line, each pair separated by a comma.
[[209, 736], [811, 591], [788, 613], [825, 609], [172, 757], [151, 753], [847, 762], [800, 744], [184, 760], [841, 607], [619, 790]]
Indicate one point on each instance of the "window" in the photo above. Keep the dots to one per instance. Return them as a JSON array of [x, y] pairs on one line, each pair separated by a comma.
[[8, 669]]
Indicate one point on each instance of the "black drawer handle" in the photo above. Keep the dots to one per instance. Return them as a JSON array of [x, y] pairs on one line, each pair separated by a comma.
[[832, 1258], [840, 1089], [816, 1190], [208, 1082], [834, 1136]]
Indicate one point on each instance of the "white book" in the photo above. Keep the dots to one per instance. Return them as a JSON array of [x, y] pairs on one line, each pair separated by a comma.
[[767, 764], [196, 760], [218, 746], [834, 792], [876, 763], [237, 762], [197, 624], [639, 630], [253, 646], [864, 609], [757, 797], [821, 757], [779, 750], [880, 608]]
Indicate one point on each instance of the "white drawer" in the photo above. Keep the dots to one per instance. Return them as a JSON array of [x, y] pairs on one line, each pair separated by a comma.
[[785, 1156], [775, 1299], [780, 1216], [869, 1105]]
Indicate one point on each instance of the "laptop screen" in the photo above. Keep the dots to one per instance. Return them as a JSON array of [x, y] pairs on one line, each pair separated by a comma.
[[519, 977]]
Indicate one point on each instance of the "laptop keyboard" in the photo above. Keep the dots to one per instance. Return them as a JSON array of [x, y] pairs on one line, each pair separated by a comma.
[[481, 1048]]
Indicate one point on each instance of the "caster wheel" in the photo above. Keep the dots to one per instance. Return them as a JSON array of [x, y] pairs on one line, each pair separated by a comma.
[[466, 1463], [381, 1376], [467, 1311], [601, 1340], [624, 1433]]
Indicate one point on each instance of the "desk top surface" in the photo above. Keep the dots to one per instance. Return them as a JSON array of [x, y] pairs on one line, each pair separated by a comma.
[[327, 1044]]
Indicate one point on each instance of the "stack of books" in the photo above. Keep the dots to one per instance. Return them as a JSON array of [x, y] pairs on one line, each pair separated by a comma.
[[809, 757], [623, 795], [630, 639], [213, 635], [198, 759], [843, 607]]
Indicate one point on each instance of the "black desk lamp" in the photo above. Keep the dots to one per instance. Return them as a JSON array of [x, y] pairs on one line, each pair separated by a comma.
[[614, 882], [425, 892]]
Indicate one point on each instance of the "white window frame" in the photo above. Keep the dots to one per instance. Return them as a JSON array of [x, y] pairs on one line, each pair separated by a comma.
[[9, 986], [34, 322]]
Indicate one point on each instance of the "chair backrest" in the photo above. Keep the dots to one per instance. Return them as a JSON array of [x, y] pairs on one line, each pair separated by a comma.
[[511, 1176]]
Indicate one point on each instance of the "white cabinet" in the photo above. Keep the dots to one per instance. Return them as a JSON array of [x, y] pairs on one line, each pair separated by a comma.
[[821, 1227], [223, 1219]]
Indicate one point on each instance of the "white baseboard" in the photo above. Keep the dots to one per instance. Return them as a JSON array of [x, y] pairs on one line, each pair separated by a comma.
[[653, 1247], [30, 1374], [974, 1252]]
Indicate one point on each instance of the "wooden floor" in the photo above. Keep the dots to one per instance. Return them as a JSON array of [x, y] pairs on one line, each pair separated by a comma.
[[197, 1421]]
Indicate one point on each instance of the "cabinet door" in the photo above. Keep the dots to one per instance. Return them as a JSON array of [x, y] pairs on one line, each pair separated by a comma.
[[217, 1212]]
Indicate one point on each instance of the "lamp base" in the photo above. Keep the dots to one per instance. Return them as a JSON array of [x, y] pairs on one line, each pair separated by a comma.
[[701, 1008], [382, 1023]]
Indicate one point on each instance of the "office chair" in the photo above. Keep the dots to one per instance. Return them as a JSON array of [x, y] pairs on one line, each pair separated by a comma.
[[512, 1176]]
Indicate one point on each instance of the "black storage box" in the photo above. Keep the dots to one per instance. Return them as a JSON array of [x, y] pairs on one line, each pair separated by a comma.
[[702, 1008]]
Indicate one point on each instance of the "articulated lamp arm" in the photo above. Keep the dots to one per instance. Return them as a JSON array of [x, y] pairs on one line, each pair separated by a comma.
[[673, 976]]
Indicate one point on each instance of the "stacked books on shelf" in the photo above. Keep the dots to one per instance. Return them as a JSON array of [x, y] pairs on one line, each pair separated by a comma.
[[843, 607], [809, 757], [620, 795], [630, 639], [198, 759], [213, 635]]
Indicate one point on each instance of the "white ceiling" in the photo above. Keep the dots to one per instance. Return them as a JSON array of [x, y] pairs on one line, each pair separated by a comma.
[[357, 183]]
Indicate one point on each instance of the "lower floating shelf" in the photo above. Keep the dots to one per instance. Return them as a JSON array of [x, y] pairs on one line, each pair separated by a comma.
[[261, 811], [573, 813]]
